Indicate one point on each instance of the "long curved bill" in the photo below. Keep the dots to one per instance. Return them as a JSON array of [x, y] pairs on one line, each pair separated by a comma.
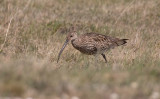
[[64, 45]]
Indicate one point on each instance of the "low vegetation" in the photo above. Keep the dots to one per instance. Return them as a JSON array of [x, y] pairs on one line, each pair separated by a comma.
[[33, 31]]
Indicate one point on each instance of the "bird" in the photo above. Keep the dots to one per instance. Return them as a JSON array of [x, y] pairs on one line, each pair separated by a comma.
[[92, 43]]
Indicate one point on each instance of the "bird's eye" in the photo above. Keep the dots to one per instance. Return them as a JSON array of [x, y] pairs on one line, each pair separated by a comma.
[[71, 36]]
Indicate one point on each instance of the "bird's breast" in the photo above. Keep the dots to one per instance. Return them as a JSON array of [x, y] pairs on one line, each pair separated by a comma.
[[84, 47]]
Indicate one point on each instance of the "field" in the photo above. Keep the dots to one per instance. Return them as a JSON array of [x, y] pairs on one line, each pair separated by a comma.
[[32, 33]]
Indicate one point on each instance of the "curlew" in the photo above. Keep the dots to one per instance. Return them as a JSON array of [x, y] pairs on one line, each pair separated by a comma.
[[92, 43]]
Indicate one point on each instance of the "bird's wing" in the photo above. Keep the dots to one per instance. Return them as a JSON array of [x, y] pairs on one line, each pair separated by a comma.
[[101, 40]]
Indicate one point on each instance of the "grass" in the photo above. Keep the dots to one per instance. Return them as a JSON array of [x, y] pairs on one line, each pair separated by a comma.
[[28, 66]]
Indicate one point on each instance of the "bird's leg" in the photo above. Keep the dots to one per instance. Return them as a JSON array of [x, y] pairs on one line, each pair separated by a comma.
[[95, 61], [104, 57], [86, 58]]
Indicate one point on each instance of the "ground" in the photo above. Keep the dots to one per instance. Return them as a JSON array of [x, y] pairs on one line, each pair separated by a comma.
[[33, 31]]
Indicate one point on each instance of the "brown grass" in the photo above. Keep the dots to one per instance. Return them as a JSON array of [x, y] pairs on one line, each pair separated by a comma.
[[33, 31]]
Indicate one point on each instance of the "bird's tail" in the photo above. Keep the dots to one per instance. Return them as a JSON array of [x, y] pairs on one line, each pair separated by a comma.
[[121, 42]]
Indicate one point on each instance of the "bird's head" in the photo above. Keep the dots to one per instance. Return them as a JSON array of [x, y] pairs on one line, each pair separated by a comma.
[[71, 36]]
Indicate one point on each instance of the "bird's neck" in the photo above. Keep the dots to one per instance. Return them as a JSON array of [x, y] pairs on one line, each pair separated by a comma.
[[73, 40]]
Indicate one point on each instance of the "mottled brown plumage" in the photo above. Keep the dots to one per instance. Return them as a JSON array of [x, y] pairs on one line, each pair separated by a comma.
[[92, 43]]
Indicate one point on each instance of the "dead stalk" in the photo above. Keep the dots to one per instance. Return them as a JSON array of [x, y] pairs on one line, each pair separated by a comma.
[[7, 31]]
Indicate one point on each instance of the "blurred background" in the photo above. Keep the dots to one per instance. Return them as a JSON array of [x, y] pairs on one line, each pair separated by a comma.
[[33, 31]]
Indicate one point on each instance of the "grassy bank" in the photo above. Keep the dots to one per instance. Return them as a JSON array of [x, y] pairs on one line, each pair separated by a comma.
[[33, 31]]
